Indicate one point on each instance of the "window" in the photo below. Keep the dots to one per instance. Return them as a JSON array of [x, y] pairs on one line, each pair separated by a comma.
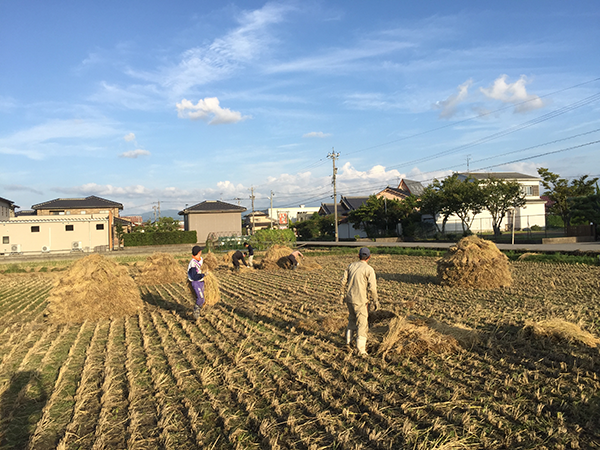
[[99, 226], [5, 240], [35, 229], [81, 212], [69, 227]]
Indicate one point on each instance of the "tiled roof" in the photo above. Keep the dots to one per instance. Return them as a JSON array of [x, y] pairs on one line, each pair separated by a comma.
[[352, 203], [78, 203], [212, 206], [10, 202], [414, 187], [400, 193]]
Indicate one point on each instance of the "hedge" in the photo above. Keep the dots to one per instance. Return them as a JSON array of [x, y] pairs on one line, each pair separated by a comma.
[[159, 238]]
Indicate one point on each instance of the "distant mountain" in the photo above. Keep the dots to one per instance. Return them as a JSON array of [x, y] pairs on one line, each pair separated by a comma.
[[163, 213]]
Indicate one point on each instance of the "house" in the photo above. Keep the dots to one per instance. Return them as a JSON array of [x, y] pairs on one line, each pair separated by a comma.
[[282, 216], [257, 220], [346, 230], [405, 189], [62, 225], [7, 209], [532, 213], [213, 216]]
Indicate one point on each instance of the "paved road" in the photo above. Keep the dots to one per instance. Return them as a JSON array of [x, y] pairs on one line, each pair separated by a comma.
[[588, 247], [541, 248]]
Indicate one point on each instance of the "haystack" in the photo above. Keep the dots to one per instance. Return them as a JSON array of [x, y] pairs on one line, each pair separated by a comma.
[[94, 288], [161, 268], [210, 261], [276, 258], [409, 336], [212, 293], [474, 263], [560, 331]]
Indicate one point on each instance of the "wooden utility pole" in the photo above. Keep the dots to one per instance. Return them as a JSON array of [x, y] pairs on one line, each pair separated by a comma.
[[271, 211], [252, 216], [333, 157]]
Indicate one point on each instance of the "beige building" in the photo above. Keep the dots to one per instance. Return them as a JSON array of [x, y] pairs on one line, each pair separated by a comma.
[[213, 217], [7, 209], [33, 234], [60, 226]]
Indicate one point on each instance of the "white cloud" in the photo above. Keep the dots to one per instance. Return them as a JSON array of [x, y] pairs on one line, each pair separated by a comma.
[[316, 134], [208, 110], [449, 106], [514, 93], [129, 137], [134, 153]]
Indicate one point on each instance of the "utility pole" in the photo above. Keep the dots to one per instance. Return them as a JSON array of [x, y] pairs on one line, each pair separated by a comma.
[[333, 157], [252, 216], [159, 209], [271, 211], [468, 159]]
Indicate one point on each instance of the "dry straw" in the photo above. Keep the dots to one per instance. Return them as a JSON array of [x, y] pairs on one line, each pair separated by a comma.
[[326, 324], [276, 257], [474, 263], [94, 288], [210, 261], [161, 268], [212, 293], [413, 336], [560, 330]]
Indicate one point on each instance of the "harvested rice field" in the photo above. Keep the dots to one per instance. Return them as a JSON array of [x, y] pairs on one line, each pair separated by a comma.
[[266, 367]]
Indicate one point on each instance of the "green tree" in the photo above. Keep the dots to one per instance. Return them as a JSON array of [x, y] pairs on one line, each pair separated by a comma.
[[499, 196], [120, 232], [559, 190], [379, 214], [316, 227], [166, 224], [587, 207]]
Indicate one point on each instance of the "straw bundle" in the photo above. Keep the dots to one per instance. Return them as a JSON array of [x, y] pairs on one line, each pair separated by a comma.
[[93, 288], [408, 337], [474, 263], [276, 258], [210, 261], [560, 330], [212, 293], [161, 268]]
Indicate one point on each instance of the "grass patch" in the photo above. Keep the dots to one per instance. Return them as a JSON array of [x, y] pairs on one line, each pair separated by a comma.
[[554, 258]]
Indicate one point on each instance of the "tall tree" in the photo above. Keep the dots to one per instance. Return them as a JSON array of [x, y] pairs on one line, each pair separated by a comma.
[[499, 196], [378, 214], [587, 207], [462, 197], [559, 190]]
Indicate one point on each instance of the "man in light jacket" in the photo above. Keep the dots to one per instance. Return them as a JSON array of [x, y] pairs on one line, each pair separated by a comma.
[[359, 280]]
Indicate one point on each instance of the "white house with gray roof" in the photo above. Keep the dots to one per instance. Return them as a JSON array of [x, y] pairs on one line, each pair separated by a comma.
[[524, 217]]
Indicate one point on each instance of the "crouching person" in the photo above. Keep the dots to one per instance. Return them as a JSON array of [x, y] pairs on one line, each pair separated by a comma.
[[358, 280], [196, 279]]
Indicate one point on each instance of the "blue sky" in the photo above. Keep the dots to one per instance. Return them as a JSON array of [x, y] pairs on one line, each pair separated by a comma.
[[180, 102]]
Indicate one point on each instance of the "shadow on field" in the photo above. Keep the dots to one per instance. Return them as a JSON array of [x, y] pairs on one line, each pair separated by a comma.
[[160, 302], [554, 358], [20, 409], [409, 278]]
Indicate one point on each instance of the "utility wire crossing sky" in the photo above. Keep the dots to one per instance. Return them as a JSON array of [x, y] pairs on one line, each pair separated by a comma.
[[181, 102]]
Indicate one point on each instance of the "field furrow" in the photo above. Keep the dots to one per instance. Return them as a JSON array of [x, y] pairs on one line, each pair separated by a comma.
[[143, 431], [173, 419], [80, 432], [58, 410], [113, 417]]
